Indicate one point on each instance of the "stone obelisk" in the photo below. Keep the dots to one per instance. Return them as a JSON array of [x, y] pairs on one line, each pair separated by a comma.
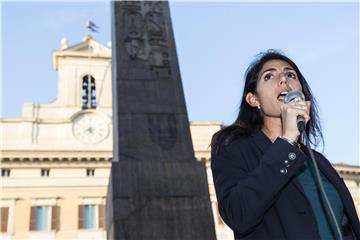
[[157, 190]]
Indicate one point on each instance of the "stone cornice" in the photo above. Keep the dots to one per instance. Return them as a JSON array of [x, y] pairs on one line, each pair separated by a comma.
[[57, 165], [55, 156], [82, 55], [55, 159], [347, 169], [208, 123], [35, 120]]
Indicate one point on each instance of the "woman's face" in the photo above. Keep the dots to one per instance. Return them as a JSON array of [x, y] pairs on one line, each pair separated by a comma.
[[276, 78]]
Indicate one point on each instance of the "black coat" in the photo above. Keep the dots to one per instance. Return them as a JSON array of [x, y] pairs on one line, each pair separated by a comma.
[[259, 196]]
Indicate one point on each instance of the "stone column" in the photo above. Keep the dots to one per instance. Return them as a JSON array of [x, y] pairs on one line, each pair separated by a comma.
[[157, 189]]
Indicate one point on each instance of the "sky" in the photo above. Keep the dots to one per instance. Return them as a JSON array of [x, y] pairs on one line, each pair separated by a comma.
[[215, 42]]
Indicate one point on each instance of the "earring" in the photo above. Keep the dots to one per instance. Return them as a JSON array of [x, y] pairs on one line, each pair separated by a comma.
[[258, 106]]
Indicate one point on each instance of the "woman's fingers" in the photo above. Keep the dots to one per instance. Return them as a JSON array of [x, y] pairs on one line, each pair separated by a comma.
[[289, 114]]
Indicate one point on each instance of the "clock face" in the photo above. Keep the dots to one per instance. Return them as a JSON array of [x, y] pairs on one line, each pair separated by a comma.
[[90, 128]]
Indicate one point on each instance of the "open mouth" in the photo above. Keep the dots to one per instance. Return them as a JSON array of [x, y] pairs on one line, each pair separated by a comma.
[[281, 96]]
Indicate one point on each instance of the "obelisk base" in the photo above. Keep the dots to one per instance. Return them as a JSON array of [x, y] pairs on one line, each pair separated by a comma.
[[171, 203]]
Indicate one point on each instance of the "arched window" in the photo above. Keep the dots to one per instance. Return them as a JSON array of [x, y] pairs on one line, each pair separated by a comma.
[[88, 92]]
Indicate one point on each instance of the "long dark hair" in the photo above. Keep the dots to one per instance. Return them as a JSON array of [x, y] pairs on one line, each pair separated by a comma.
[[249, 118]]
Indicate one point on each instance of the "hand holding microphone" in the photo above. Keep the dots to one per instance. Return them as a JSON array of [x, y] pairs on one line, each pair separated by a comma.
[[295, 113]]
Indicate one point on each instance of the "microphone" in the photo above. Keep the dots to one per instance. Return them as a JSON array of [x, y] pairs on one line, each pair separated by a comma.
[[296, 96]]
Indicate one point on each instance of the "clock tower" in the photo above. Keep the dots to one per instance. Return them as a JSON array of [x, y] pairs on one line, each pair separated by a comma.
[[82, 108]]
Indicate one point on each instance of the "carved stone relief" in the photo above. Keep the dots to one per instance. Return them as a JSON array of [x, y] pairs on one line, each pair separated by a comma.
[[163, 129], [146, 36]]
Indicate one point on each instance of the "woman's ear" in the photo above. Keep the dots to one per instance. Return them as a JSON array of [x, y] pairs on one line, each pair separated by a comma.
[[252, 99]]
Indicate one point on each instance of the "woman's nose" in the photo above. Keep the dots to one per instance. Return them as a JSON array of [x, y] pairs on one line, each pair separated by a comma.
[[282, 79]]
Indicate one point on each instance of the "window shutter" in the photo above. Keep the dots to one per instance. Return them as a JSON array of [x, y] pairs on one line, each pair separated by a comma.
[[4, 218], [55, 218], [33, 218], [81, 216], [101, 216]]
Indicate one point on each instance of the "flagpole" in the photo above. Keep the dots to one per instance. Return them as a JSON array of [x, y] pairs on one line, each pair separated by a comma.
[[92, 27]]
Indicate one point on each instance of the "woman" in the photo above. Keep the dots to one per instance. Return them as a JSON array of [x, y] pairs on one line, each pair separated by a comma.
[[262, 173]]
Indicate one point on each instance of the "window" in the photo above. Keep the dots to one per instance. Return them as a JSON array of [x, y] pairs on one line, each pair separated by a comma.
[[88, 92], [44, 218], [91, 216], [4, 211], [5, 172], [45, 172], [90, 172]]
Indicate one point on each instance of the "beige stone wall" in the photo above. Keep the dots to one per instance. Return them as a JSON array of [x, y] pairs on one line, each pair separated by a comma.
[[65, 187], [354, 188], [201, 133]]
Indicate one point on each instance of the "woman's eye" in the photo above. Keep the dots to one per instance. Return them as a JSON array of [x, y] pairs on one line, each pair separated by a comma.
[[268, 76], [291, 75]]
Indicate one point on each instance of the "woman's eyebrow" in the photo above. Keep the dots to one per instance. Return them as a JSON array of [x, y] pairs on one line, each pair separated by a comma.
[[289, 68], [267, 70], [274, 69]]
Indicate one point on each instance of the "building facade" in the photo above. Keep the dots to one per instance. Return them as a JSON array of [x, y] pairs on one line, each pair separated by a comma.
[[56, 158]]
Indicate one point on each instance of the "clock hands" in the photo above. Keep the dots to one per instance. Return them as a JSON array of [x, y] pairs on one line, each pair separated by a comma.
[[90, 128]]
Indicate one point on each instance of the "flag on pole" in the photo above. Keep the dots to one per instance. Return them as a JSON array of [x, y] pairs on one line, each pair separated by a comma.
[[92, 26]]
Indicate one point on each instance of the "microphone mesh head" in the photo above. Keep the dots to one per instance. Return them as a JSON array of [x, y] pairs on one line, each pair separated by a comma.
[[294, 95]]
